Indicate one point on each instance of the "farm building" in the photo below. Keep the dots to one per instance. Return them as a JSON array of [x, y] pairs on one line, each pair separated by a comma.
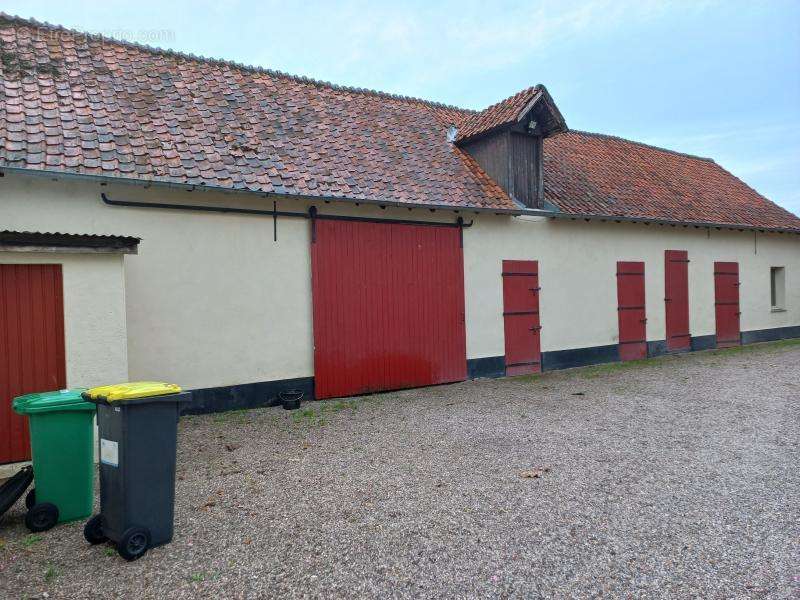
[[241, 231]]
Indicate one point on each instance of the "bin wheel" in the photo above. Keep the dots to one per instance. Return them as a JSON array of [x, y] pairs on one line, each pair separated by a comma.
[[41, 517], [30, 499], [93, 530], [134, 543]]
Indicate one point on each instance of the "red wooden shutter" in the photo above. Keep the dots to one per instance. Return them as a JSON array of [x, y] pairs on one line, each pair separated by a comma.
[[631, 310], [31, 346], [388, 307], [726, 303], [521, 316], [676, 299]]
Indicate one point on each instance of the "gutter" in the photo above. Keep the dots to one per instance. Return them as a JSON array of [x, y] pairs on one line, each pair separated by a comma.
[[311, 214], [146, 183], [670, 222], [514, 212]]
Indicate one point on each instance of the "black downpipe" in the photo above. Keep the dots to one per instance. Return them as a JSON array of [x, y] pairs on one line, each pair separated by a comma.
[[312, 214], [274, 220]]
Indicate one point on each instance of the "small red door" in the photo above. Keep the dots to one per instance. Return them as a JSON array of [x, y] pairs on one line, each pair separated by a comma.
[[631, 310], [676, 299], [31, 346], [388, 306], [521, 316], [726, 303]]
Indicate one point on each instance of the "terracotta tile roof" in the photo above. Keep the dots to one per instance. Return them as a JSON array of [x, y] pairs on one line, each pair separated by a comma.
[[80, 104], [504, 112], [594, 174]]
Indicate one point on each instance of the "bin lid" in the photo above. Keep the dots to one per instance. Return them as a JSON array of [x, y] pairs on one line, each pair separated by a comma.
[[134, 389], [54, 401]]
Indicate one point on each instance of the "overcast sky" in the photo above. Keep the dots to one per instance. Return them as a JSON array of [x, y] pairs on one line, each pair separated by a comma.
[[714, 78]]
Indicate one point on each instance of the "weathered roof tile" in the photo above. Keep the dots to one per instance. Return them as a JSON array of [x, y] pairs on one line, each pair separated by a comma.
[[594, 174], [93, 106]]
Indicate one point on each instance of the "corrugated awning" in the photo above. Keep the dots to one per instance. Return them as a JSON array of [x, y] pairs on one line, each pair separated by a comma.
[[66, 242]]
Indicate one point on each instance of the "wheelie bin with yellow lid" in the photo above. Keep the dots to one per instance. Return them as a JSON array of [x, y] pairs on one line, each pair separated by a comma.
[[62, 448], [138, 430]]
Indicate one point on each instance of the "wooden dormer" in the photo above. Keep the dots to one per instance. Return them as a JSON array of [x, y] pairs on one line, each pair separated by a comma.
[[506, 141]]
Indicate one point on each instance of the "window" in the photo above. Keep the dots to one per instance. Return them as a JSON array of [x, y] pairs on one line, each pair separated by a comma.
[[777, 287]]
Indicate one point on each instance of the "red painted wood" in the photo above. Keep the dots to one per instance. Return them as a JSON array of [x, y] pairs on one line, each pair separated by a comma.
[[726, 303], [31, 346], [676, 299], [631, 310], [388, 307], [521, 322]]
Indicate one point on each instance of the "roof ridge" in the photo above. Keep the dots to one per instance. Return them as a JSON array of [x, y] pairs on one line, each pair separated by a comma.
[[530, 88], [494, 116], [537, 87], [31, 22], [660, 148]]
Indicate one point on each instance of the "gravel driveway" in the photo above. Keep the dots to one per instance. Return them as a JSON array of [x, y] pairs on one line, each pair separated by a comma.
[[674, 478]]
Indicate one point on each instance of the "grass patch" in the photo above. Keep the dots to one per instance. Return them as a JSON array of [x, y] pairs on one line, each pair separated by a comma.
[[605, 369], [527, 378], [309, 417], [758, 347], [317, 413], [51, 573], [341, 405], [30, 540], [304, 414], [595, 371], [109, 552], [240, 416]]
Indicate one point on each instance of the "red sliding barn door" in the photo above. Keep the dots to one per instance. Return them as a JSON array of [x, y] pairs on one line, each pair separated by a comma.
[[31, 346], [631, 310], [521, 316], [676, 299], [388, 306], [726, 303]]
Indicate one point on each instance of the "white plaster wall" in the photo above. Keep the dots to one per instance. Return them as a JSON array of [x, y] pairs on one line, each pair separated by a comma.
[[577, 267], [94, 314], [212, 300]]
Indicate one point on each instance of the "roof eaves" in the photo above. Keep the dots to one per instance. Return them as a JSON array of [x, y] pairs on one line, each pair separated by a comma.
[[106, 179], [671, 222]]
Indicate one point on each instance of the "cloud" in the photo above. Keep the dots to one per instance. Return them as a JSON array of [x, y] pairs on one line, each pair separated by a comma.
[[414, 48]]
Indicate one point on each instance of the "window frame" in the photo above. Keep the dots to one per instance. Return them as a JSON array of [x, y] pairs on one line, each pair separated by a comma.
[[777, 288]]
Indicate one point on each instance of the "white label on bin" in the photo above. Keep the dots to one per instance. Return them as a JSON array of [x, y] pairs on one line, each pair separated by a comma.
[[109, 452]]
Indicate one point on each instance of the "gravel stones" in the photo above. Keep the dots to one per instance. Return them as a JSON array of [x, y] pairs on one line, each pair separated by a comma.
[[676, 477]]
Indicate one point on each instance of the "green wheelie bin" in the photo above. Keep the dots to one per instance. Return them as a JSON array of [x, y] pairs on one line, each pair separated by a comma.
[[62, 447]]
